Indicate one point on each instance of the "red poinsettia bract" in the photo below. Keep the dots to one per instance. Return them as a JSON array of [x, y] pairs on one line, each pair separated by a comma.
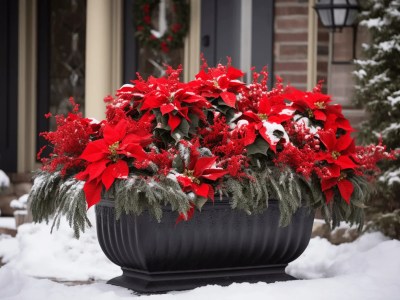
[[338, 156], [104, 159], [219, 82], [194, 177]]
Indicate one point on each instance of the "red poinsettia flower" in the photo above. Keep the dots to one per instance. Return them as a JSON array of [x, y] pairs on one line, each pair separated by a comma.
[[219, 82], [174, 99], [200, 169], [344, 185], [271, 110], [104, 157], [266, 121], [315, 104], [335, 119], [338, 150]]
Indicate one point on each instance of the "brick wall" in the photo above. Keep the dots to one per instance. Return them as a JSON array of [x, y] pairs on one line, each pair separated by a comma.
[[291, 43], [290, 49]]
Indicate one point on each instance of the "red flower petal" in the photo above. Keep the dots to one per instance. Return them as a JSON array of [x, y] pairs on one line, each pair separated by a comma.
[[279, 119], [167, 108], [249, 135], [334, 170], [264, 106], [327, 184], [213, 174], [346, 189], [328, 138], [251, 116], [95, 151], [153, 101], [184, 181], [96, 169], [115, 170], [173, 121], [344, 124], [143, 140], [201, 189], [344, 142], [202, 164], [328, 195], [115, 133], [134, 150], [233, 73], [319, 115], [92, 191], [229, 98], [345, 162]]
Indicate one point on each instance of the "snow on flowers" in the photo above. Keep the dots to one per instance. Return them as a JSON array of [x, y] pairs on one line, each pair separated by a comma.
[[214, 135]]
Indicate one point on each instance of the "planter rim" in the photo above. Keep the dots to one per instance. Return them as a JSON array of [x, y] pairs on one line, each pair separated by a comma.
[[209, 205]]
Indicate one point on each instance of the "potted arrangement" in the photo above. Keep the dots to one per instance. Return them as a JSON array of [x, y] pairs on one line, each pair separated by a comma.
[[210, 181]]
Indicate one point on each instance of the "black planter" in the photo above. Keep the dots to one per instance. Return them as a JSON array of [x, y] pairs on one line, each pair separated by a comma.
[[218, 246]]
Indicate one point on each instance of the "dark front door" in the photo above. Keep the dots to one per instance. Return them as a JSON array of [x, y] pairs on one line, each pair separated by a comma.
[[61, 60], [8, 84], [221, 22]]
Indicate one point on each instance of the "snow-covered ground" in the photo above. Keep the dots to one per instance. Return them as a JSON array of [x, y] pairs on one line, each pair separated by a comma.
[[7, 222], [368, 268]]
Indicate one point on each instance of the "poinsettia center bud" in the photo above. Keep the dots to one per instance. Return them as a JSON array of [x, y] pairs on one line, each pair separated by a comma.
[[263, 117], [190, 174], [113, 151], [216, 85], [342, 176], [310, 113], [335, 154], [171, 98], [320, 105]]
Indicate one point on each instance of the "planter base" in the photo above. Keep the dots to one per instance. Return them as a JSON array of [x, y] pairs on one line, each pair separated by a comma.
[[162, 282]]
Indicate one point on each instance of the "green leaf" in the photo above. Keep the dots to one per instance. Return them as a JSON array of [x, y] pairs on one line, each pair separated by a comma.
[[260, 146], [184, 127], [177, 163], [177, 135], [194, 123]]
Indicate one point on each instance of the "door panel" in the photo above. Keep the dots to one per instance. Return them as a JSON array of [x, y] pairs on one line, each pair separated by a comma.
[[8, 84], [221, 29]]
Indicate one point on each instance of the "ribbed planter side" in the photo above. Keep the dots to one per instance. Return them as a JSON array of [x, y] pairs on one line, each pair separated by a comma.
[[219, 245]]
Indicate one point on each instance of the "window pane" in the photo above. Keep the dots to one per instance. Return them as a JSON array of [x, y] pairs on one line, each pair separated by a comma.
[[67, 55], [151, 61]]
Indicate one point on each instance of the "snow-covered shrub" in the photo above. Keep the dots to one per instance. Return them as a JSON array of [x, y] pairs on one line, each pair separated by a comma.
[[378, 90]]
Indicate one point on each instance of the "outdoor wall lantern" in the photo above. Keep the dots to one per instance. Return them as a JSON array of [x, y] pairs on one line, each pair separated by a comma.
[[336, 14]]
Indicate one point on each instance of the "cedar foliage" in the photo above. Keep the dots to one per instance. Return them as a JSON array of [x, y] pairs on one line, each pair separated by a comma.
[[53, 197]]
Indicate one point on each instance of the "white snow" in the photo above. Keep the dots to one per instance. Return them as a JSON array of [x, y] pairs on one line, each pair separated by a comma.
[[7, 222], [360, 73], [4, 180], [270, 130], [389, 129], [368, 268], [377, 23], [377, 79], [389, 46], [20, 203], [37, 252], [391, 177], [395, 98]]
